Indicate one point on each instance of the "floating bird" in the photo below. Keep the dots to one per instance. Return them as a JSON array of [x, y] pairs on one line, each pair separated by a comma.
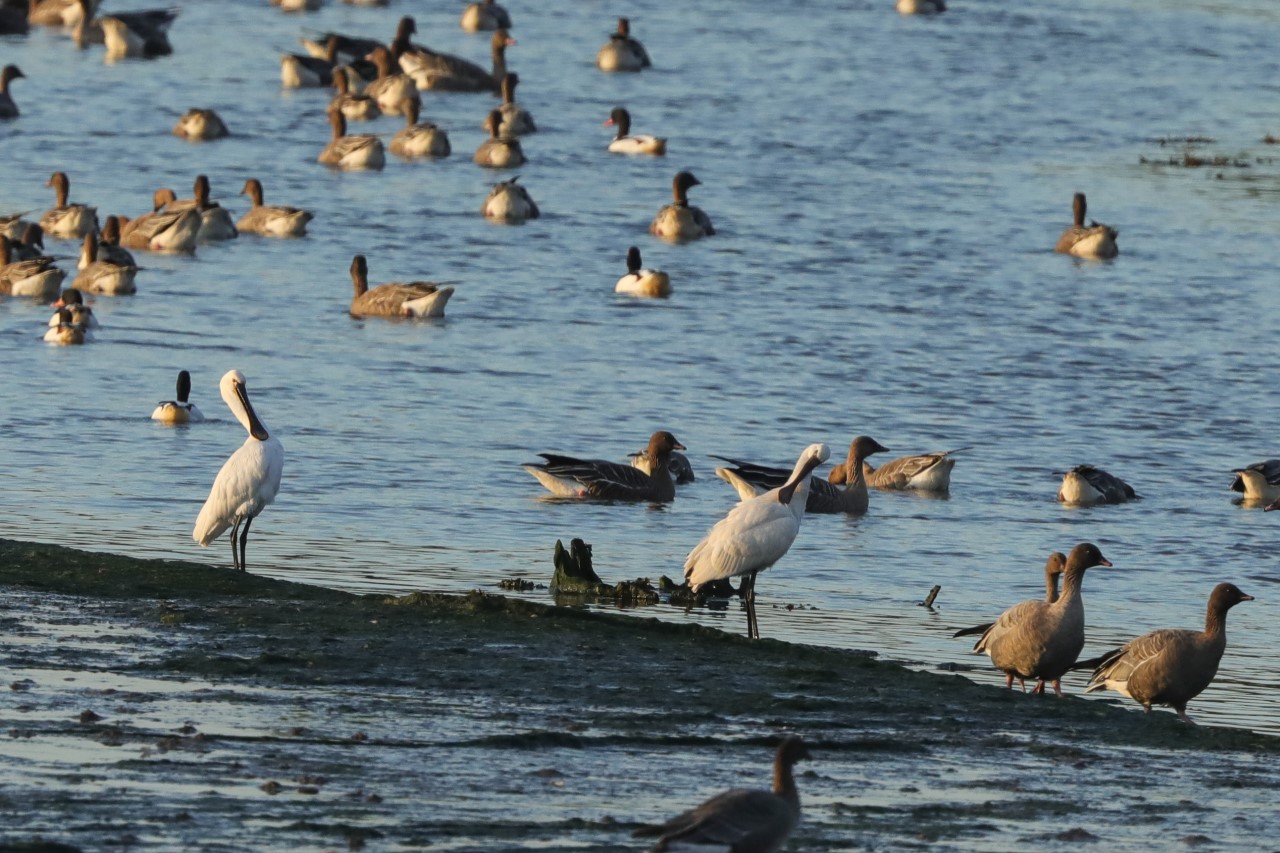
[[824, 497], [59, 13], [271, 220], [354, 106], [303, 72], [388, 89], [13, 20], [69, 331], [926, 472], [36, 277], [622, 52], [570, 477], [509, 203], [679, 222], [109, 246], [1092, 241], [342, 48], [755, 534], [1171, 666], [677, 464], [500, 150], [640, 281], [397, 299], [198, 125], [143, 35], [362, 151], [921, 7], [516, 120], [32, 245], [1259, 481], [484, 15], [625, 143], [419, 139], [72, 299], [104, 276], [13, 226], [68, 220], [444, 72], [1085, 485], [740, 820], [1034, 639], [249, 479], [173, 231], [8, 109], [215, 222], [181, 410]]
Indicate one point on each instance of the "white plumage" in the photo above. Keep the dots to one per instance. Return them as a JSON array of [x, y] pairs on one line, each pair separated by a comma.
[[248, 481]]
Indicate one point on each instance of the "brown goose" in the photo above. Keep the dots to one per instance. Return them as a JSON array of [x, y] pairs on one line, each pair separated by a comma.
[[441, 71], [1085, 485], [750, 480], [8, 109], [13, 226], [484, 15], [622, 52], [1038, 640], [162, 230], [500, 150], [353, 105], [1259, 481], [37, 277], [56, 13], [397, 299], [516, 120], [31, 246], [570, 477], [138, 34], [679, 222], [271, 220], [390, 90], [108, 248], [103, 276], [215, 221], [678, 464], [362, 151], [1171, 666], [1087, 241], [198, 125], [419, 139], [925, 472], [740, 820], [65, 219], [509, 203]]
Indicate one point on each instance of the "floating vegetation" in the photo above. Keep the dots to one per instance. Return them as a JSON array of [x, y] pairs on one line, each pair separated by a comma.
[[1183, 140], [1189, 160]]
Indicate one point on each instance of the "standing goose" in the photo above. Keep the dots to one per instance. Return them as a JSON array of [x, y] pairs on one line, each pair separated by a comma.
[[74, 300], [926, 472], [824, 497], [215, 221], [101, 275], [443, 72], [390, 90], [1038, 640], [484, 15], [1092, 241], [625, 143], [353, 105], [1171, 666], [38, 277], [197, 125], [740, 820], [181, 410], [67, 220], [249, 479], [509, 203], [570, 477], [499, 151], [271, 220], [754, 535], [642, 282], [8, 109], [173, 231], [418, 139], [1259, 481], [679, 222], [516, 120], [1085, 485], [397, 299], [362, 151], [622, 52]]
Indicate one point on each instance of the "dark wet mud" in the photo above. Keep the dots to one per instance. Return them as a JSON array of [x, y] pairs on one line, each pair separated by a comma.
[[157, 705]]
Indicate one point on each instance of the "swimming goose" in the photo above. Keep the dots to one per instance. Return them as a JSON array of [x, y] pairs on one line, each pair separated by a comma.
[[271, 220], [103, 276], [68, 332], [73, 300], [31, 246], [570, 477], [199, 125], [1171, 666], [483, 16], [499, 151], [444, 72], [162, 230], [339, 48], [1259, 481], [679, 222], [677, 464], [354, 107], [418, 139], [181, 410], [57, 13], [390, 90], [13, 226], [640, 281], [509, 203], [1085, 485], [625, 143], [67, 220], [397, 299], [622, 52], [215, 221], [921, 7], [755, 534], [823, 497], [8, 109], [138, 34], [1092, 241], [361, 151], [37, 277], [740, 820], [298, 5], [298, 72], [1038, 640], [925, 472], [516, 120], [108, 247]]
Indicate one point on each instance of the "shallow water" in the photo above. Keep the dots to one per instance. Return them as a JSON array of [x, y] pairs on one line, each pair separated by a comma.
[[887, 192]]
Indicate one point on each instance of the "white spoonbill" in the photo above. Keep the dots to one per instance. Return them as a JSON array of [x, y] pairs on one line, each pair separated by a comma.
[[755, 534], [248, 481]]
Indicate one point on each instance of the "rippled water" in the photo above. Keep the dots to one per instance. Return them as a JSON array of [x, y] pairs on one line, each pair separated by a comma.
[[887, 192]]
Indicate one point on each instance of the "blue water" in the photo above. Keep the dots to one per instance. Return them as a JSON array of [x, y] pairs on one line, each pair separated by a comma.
[[887, 193]]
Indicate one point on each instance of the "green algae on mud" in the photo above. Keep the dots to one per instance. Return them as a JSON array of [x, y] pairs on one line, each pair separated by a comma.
[[276, 715]]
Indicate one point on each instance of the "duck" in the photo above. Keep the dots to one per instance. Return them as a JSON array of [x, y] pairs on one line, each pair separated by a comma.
[[642, 282], [444, 72], [31, 246], [499, 151], [170, 231], [143, 35], [1258, 482], [483, 16], [73, 300], [215, 221], [740, 820], [67, 220], [680, 222], [599, 479], [9, 109], [1092, 241], [921, 7], [924, 472], [37, 277], [199, 125], [1171, 666], [103, 276], [68, 332], [622, 52], [397, 299], [1085, 485], [353, 106], [58, 13], [750, 480], [678, 464], [271, 220], [509, 203], [1038, 640], [418, 139], [108, 247], [625, 143], [181, 410], [390, 90], [516, 120], [363, 151]]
